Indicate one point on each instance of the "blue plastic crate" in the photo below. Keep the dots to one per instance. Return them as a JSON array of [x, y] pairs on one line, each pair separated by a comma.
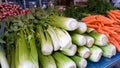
[[113, 62]]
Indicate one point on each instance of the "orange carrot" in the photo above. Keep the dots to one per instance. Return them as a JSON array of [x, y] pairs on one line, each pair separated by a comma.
[[109, 31], [115, 12], [118, 21], [108, 26], [85, 19], [103, 32], [115, 43], [106, 19], [116, 36], [112, 15], [91, 21]]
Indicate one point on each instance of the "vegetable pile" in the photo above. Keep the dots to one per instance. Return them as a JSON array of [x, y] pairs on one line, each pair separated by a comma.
[[108, 26], [53, 40], [11, 10], [114, 15]]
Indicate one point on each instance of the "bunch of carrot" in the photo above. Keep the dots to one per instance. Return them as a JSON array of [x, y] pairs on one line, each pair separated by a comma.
[[114, 15], [107, 26]]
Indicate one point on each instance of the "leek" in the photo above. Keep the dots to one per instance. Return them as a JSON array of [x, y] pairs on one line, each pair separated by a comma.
[[83, 52], [96, 53], [80, 62], [54, 38], [63, 22], [109, 50], [70, 51], [3, 59], [82, 28], [100, 39], [63, 61], [78, 39], [45, 41], [64, 38], [90, 41]]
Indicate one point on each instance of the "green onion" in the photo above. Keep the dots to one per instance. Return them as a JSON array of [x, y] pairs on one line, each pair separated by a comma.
[[63, 22], [80, 62], [96, 54], [63, 61], [100, 39], [109, 50], [70, 51], [83, 52]]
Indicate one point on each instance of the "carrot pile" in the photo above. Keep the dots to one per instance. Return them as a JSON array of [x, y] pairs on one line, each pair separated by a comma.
[[114, 15], [108, 26]]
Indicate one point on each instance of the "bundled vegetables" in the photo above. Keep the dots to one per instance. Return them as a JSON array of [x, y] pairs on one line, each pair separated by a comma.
[[70, 51], [82, 28], [64, 38], [63, 61], [80, 62], [55, 40], [100, 39], [78, 39], [109, 50], [89, 41], [62, 42], [45, 41], [83, 52], [96, 53], [114, 15], [63, 22], [3, 59], [25, 57], [46, 61], [104, 25]]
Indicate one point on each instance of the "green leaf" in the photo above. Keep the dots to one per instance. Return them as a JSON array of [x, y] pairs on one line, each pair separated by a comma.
[[2, 41]]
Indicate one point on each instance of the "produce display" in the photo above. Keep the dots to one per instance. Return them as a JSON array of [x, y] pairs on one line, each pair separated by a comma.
[[11, 10], [104, 25], [44, 39]]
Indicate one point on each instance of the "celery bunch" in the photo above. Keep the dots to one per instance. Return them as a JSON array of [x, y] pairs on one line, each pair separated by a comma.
[[44, 40], [26, 54], [63, 22]]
